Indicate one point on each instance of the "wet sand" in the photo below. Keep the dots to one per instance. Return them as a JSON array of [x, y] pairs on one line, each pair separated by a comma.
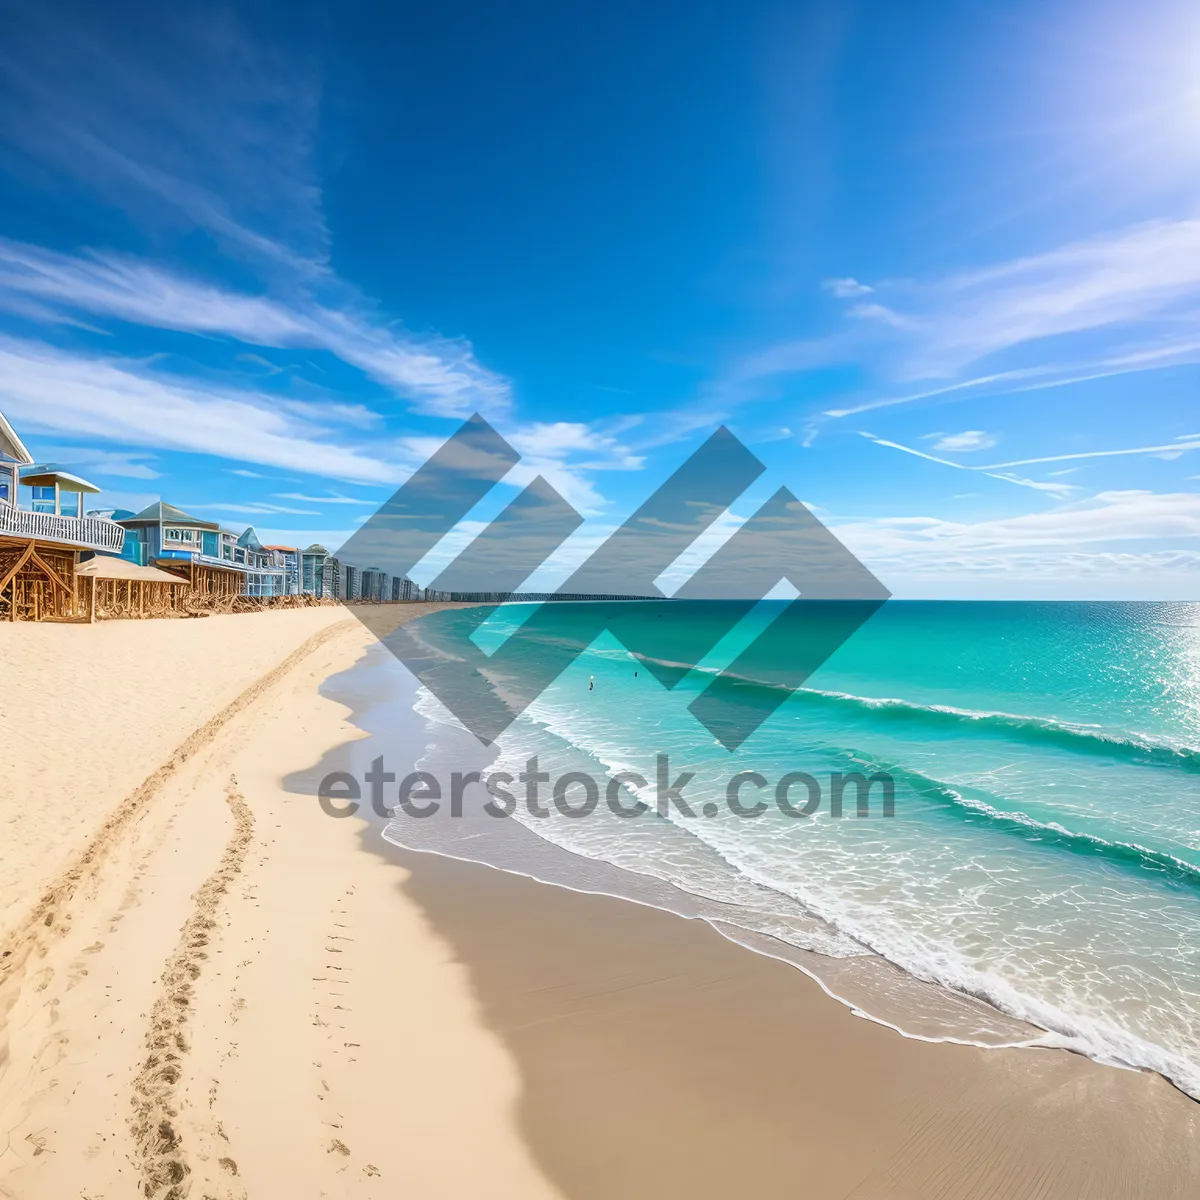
[[659, 1059]]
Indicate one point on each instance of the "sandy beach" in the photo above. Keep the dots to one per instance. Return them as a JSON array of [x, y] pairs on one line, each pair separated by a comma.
[[209, 988]]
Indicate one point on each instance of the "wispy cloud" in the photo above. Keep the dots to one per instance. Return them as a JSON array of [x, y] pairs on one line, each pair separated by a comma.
[[1000, 470], [334, 499], [93, 461], [1124, 278], [1143, 280], [847, 288], [214, 135], [214, 130], [46, 388], [1054, 489], [254, 508], [51, 389], [969, 439], [438, 375], [1169, 350], [566, 453], [905, 545], [1031, 323], [1171, 449]]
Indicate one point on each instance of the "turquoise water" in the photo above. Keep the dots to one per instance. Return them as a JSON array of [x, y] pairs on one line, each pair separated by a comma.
[[1044, 851]]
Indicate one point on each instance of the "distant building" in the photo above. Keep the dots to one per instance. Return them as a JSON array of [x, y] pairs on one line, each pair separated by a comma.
[[374, 586], [404, 589], [320, 573], [287, 557], [265, 571], [331, 578]]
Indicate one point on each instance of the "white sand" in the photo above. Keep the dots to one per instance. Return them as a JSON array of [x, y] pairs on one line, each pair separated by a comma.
[[231, 1000]]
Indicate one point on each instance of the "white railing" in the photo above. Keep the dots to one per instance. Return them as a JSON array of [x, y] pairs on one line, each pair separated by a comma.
[[95, 533]]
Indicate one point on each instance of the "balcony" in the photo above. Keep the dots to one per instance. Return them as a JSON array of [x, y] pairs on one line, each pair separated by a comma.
[[90, 533]]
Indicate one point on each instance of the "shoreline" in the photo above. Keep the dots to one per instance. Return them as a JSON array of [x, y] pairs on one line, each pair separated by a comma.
[[813, 967], [624, 1020], [402, 1022], [868, 984]]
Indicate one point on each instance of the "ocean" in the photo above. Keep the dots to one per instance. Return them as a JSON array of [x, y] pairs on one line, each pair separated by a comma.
[[1042, 856]]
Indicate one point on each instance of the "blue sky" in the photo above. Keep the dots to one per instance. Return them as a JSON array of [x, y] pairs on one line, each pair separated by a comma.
[[937, 263]]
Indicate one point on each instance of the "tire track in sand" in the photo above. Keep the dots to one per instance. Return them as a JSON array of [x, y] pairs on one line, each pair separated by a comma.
[[161, 1158]]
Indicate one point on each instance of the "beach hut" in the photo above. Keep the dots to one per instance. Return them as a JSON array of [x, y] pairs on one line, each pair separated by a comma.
[[116, 587]]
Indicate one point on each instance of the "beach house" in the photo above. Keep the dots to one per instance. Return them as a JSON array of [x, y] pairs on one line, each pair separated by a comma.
[[215, 561], [43, 533], [266, 574], [288, 559]]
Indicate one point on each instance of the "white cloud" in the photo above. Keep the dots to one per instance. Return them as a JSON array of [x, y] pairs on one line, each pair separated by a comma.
[[1172, 450], [1056, 489], [543, 440], [326, 499], [1124, 277], [846, 288], [879, 312], [1000, 470], [1140, 285], [1053, 489], [439, 376], [254, 507], [214, 131], [1132, 278], [50, 389], [1107, 517], [212, 134], [969, 439], [565, 453], [90, 460]]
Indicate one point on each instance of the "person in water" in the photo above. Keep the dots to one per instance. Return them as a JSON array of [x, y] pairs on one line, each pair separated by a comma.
[[591, 682]]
